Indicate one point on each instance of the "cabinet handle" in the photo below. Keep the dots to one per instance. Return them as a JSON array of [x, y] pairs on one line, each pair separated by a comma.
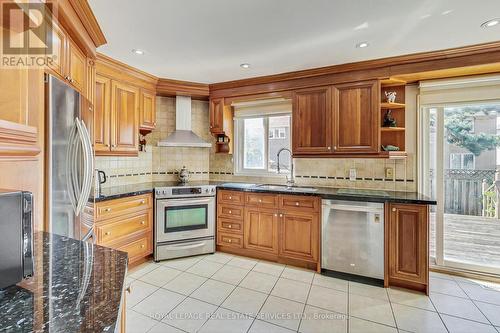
[[229, 226], [108, 233], [260, 200], [230, 212], [229, 241], [275, 215], [129, 289], [143, 246], [281, 215], [334, 147], [230, 197], [329, 148], [108, 209], [143, 202], [107, 144], [154, 124], [113, 146], [296, 204], [71, 80], [394, 209], [143, 222]]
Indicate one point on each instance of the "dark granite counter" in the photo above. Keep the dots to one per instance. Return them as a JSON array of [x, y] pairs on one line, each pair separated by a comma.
[[324, 192], [76, 287], [333, 193]]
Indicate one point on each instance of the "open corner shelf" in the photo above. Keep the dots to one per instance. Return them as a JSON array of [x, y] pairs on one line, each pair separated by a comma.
[[394, 136]]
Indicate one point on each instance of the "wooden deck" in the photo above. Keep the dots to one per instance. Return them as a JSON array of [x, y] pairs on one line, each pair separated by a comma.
[[471, 239]]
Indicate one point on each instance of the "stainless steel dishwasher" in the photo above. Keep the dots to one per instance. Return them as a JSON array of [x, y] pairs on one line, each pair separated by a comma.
[[353, 238]]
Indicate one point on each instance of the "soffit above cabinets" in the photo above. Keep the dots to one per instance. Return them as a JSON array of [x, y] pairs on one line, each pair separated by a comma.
[[206, 41]]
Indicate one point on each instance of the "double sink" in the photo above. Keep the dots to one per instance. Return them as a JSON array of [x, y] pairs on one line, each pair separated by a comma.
[[272, 187]]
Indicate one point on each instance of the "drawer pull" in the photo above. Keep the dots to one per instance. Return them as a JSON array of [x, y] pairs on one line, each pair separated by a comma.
[[230, 212], [230, 197], [143, 246], [296, 204], [281, 215], [229, 240], [108, 209], [275, 215], [143, 222], [260, 200], [108, 233], [129, 289], [394, 209], [143, 202], [229, 226]]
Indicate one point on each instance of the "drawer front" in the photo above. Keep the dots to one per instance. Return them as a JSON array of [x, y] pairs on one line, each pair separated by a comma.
[[296, 202], [229, 240], [231, 197], [117, 207], [261, 200], [139, 247], [230, 212], [116, 230], [230, 226]]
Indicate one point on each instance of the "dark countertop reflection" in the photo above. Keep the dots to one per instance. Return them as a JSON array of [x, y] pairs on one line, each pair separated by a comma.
[[77, 287]]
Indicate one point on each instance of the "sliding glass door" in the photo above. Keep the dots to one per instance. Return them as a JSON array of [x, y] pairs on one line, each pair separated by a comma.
[[459, 168]]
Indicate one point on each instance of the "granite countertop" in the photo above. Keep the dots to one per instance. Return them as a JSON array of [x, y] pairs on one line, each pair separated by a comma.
[[324, 192], [76, 287]]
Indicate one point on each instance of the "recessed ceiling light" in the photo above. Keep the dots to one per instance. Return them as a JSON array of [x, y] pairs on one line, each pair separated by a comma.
[[138, 51], [362, 45], [245, 65], [490, 23]]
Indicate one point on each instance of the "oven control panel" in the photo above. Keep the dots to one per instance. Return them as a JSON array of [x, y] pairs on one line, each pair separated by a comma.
[[185, 191]]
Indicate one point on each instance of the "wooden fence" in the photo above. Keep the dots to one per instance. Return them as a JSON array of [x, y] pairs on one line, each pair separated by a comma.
[[464, 190]]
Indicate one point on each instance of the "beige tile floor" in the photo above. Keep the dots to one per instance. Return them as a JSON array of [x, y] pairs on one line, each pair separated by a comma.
[[224, 293]]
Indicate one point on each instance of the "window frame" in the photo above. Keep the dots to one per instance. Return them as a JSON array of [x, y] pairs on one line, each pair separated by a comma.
[[239, 131]]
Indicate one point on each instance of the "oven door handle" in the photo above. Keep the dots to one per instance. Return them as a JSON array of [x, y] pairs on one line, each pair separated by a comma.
[[184, 202], [185, 247]]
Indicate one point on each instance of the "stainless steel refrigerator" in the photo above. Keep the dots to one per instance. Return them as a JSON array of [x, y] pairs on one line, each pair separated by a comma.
[[69, 161]]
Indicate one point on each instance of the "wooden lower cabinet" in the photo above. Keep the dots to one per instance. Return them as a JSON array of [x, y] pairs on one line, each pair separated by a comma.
[[126, 224], [261, 230], [299, 236], [407, 244], [282, 228]]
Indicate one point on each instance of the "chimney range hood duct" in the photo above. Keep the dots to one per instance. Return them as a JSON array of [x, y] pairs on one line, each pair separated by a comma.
[[183, 136]]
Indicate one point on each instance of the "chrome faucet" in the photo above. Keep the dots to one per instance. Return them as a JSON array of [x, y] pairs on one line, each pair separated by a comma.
[[289, 181]]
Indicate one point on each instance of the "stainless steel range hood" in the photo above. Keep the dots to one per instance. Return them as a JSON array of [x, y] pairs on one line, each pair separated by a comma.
[[183, 136]]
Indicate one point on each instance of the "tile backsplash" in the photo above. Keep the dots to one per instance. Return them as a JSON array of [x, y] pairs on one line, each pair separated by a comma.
[[161, 163]]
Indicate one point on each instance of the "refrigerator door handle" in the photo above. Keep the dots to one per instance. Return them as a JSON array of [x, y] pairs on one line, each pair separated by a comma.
[[87, 166], [70, 167]]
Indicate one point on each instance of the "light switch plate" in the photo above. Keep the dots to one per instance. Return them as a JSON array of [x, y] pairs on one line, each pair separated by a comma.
[[389, 173], [352, 174]]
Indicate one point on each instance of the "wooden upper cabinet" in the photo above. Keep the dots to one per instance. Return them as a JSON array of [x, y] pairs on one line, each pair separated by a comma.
[[312, 121], [124, 118], [216, 115], [356, 120], [299, 236], [59, 47], [77, 67], [261, 230], [408, 245], [102, 114], [147, 112]]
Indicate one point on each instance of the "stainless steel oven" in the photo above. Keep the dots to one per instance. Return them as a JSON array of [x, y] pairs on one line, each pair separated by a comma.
[[184, 221]]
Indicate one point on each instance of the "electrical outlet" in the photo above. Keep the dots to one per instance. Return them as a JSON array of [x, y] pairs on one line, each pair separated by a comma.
[[389, 173], [352, 174]]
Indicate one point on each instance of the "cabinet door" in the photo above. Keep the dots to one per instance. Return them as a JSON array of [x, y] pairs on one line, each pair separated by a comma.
[[58, 59], [147, 114], [408, 243], [261, 230], [124, 118], [312, 121], [356, 121], [216, 115], [299, 236], [102, 114], [77, 65]]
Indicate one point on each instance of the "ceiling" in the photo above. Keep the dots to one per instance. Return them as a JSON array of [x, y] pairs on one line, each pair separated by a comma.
[[207, 40]]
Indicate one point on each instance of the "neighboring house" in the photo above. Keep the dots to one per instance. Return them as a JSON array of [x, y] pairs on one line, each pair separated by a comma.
[[460, 158], [279, 137]]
